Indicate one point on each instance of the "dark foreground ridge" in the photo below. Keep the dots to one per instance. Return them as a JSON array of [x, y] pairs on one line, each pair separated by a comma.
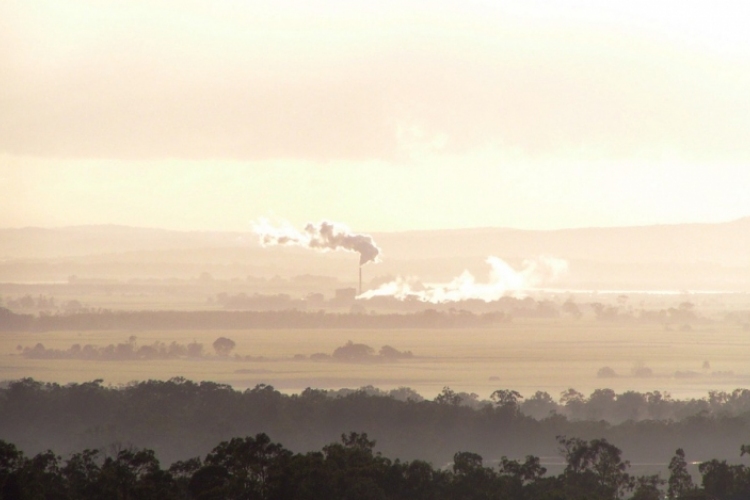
[[179, 418], [258, 468]]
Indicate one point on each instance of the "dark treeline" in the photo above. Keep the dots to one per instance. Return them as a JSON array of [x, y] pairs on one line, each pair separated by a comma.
[[227, 320], [408, 314], [605, 404], [257, 468], [470, 312], [180, 418], [131, 351], [118, 352]]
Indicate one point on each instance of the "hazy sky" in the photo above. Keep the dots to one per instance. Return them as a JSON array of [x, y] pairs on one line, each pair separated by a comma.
[[383, 115]]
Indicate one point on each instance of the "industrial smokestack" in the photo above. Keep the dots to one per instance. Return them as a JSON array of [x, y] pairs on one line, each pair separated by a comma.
[[360, 280], [324, 236]]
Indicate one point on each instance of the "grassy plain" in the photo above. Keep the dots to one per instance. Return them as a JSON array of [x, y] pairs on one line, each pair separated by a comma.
[[525, 355]]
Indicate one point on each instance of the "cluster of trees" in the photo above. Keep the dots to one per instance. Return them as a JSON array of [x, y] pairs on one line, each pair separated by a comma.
[[258, 468], [43, 302], [223, 347], [606, 404], [682, 315], [179, 418], [362, 353], [30, 302], [129, 350]]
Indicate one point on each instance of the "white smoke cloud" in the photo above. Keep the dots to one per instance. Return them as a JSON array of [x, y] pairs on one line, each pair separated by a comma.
[[503, 280], [324, 236]]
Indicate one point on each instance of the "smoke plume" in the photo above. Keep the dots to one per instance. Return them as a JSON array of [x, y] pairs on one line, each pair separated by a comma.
[[503, 280], [324, 236]]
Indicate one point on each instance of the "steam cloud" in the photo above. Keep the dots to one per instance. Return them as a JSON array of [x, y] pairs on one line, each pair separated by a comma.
[[503, 279], [324, 236]]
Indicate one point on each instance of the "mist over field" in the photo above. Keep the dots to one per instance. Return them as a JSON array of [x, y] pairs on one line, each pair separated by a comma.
[[502, 341], [100, 285], [78, 299]]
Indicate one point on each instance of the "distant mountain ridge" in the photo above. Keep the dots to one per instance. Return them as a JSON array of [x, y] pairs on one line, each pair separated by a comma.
[[676, 257], [725, 243], [76, 241]]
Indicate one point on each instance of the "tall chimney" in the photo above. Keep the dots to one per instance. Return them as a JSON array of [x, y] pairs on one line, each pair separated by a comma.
[[360, 280]]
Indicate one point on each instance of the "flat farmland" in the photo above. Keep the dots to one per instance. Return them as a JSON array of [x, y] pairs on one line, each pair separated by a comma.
[[530, 355]]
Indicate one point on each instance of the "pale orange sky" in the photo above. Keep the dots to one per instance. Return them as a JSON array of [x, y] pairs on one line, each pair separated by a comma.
[[387, 116]]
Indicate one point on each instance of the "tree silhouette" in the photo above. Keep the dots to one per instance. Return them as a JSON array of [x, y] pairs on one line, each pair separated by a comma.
[[680, 482], [223, 346]]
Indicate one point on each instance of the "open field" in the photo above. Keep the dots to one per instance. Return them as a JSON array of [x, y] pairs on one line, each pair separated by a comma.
[[527, 356]]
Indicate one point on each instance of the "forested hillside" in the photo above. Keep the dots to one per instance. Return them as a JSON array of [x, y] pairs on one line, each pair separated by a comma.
[[179, 418]]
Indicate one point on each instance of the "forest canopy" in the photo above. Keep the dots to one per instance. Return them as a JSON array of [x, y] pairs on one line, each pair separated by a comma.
[[255, 467], [179, 418]]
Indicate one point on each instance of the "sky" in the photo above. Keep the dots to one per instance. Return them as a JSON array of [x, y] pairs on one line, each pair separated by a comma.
[[387, 116]]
